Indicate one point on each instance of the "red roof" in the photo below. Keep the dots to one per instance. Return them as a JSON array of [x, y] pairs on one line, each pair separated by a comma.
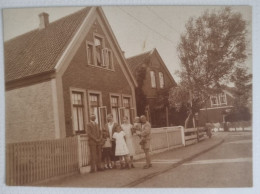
[[38, 51]]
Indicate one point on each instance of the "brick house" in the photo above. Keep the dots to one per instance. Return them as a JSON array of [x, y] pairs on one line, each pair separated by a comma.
[[155, 84], [216, 107], [60, 73]]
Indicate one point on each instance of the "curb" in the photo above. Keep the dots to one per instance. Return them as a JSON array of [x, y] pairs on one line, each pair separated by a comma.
[[149, 176]]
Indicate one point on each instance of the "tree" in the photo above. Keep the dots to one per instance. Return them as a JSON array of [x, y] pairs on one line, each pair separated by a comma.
[[209, 50], [242, 95]]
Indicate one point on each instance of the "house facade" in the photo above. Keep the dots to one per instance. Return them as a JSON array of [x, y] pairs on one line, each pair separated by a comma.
[[61, 73], [155, 82], [216, 108]]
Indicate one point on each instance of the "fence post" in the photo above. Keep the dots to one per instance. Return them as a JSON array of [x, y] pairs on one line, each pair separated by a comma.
[[79, 151], [168, 144], [182, 135], [198, 135]]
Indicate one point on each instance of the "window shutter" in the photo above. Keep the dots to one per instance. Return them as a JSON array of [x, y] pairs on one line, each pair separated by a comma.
[[132, 115], [103, 116], [121, 115], [105, 58]]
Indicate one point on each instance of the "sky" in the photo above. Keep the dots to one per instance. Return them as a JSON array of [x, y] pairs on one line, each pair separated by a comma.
[[137, 28]]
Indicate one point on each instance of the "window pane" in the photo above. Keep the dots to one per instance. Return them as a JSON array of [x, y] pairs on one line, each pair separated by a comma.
[[126, 102], [114, 101], [95, 112], [81, 120], [152, 75], [161, 80], [75, 119]]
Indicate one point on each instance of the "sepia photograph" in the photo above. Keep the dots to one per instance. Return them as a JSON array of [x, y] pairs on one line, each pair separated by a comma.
[[151, 96]]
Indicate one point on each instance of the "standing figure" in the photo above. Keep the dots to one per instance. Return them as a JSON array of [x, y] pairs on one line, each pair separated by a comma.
[[145, 140], [94, 141], [106, 150], [121, 147], [127, 128], [110, 127]]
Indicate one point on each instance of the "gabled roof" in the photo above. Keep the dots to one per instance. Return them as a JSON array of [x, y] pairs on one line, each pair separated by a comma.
[[135, 61], [38, 51]]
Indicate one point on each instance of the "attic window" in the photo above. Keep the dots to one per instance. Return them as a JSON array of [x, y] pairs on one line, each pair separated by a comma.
[[98, 55], [153, 82], [161, 78], [214, 100], [90, 53], [222, 99]]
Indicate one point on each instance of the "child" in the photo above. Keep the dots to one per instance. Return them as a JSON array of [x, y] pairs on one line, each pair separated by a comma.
[[121, 147], [137, 130], [106, 149]]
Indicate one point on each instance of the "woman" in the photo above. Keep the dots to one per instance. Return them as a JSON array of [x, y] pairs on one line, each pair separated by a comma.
[[127, 128], [110, 127]]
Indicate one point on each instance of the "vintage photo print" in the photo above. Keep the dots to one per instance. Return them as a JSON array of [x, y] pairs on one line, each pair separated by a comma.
[[128, 96]]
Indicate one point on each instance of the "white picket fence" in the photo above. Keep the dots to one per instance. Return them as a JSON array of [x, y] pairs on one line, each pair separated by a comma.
[[30, 162]]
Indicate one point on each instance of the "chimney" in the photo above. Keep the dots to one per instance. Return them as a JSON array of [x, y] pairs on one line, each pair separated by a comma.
[[44, 20]]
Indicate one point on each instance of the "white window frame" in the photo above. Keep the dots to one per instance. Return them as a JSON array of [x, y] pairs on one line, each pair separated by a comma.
[[161, 83], [102, 47], [215, 96], [153, 84], [95, 92], [85, 107], [131, 108], [93, 52], [225, 97], [99, 110], [119, 102]]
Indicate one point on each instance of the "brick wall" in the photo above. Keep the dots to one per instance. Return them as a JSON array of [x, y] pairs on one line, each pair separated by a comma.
[[80, 75], [155, 66], [29, 113]]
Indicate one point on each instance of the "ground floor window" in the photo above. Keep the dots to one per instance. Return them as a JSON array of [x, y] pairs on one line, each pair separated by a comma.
[[78, 112], [115, 108]]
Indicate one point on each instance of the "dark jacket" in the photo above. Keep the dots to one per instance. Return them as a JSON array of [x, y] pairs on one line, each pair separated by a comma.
[[94, 134], [113, 129]]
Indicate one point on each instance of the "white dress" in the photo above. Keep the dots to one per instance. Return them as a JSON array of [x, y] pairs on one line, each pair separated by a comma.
[[129, 138], [121, 147]]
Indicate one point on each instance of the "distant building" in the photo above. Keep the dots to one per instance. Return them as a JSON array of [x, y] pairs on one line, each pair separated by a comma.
[[156, 83], [217, 107], [59, 74]]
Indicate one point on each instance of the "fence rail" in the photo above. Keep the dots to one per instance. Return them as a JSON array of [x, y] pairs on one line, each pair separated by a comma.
[[194, 135], [35, 161], [39, 160]]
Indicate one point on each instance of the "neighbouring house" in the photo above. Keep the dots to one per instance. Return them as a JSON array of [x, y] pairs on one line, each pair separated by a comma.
[[217, 107], [154, 81], [59, 74]]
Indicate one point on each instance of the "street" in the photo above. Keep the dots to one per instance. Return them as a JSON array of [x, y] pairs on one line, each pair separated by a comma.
[[228, 165]]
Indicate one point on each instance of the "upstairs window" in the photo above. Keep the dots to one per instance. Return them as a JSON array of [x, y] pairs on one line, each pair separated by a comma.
[[161, 78], [222, 99], [214, 100], [90, 53], [98, 47], [98, 55], [153, 81]]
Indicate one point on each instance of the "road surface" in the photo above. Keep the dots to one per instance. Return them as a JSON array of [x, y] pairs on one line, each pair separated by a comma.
[[228, 165]]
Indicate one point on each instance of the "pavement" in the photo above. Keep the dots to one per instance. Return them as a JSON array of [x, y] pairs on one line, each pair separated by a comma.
[[129, 178], [229, 165]]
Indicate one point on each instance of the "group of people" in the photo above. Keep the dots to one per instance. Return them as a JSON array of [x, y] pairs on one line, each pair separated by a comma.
[[115, 143]]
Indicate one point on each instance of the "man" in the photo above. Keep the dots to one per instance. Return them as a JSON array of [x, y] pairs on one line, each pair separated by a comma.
[[146, 138], [94, 141]]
